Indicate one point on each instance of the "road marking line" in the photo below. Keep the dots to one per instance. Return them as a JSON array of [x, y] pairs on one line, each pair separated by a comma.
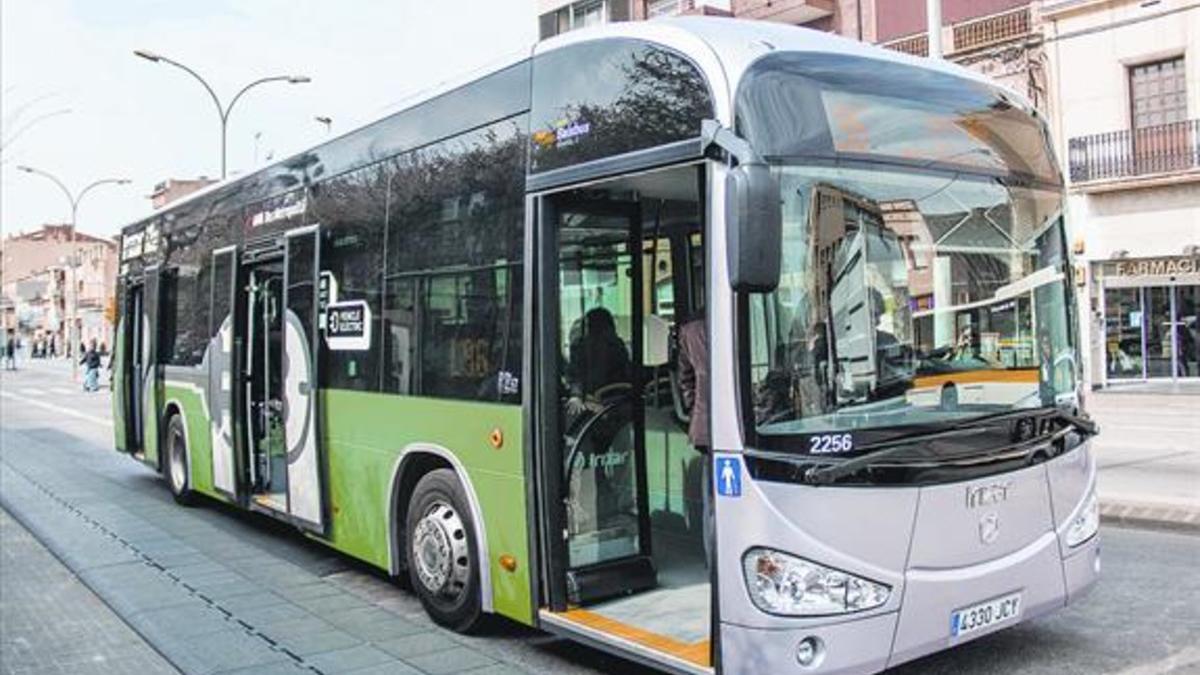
[[58, 409], [31, 390]]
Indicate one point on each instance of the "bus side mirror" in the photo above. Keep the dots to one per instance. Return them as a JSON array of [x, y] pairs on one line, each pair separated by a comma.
[[753, 228]]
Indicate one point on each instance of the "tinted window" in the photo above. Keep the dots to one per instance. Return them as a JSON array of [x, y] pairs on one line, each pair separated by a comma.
[[834, 105], [184, 315], [350, 209], [604, 98], [452, 315]]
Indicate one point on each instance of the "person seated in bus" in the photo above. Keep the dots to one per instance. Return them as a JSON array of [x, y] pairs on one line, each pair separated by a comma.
[[598, 357]]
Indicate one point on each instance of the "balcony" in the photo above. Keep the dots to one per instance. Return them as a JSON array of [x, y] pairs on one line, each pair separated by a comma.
[[1135, 156], [795, 12]]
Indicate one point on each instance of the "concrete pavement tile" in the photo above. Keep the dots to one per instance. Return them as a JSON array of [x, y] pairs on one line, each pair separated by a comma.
[[194, 618], [386, 629], [288, 667], [319, 589], [417, 645], [454, 660], [293, 629], [252, 600], [275, 613], [219, 591], [214, 652], [309, 636], [328, 605], [358, 616], [498, 669], [392, 668], [199, 567], [344, 660]]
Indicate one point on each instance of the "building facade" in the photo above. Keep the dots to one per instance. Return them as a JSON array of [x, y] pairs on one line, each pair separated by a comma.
[[39, 286], [1126, 102]]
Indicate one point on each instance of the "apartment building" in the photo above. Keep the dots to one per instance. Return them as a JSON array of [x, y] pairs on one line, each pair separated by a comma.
[[1125, 90], [38, 286]]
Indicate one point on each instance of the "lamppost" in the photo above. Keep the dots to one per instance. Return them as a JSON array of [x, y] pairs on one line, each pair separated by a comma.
[[74, 199], [222, 110], [325, 121]]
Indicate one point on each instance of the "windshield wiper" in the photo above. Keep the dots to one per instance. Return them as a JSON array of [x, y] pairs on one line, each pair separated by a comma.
[[828, 473]]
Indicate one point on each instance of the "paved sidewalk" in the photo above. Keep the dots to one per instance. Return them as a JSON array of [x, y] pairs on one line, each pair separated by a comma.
[[51, 623], [1148, 454]]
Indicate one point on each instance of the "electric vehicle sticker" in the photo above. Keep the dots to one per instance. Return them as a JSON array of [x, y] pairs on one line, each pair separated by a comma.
[[727, 471]]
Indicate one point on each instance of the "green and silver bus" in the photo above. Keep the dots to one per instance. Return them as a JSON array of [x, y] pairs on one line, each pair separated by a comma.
[[448, 344]]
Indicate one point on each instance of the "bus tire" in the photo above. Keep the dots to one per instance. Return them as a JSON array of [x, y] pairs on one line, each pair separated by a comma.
[[443, 559], [178, 459]]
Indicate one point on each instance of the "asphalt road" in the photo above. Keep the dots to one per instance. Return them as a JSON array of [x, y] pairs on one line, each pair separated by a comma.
[[1144, 617]]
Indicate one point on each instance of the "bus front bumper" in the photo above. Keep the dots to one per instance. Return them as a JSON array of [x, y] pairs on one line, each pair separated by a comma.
[[1045, 578]]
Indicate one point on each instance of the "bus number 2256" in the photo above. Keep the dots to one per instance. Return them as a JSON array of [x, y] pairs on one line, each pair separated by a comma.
[[828, 444]]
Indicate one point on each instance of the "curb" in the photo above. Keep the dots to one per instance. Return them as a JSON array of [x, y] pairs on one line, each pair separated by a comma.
[[1176, 518]]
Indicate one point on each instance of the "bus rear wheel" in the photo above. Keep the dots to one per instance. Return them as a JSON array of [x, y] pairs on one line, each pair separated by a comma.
[[177, 461], [443, 563]]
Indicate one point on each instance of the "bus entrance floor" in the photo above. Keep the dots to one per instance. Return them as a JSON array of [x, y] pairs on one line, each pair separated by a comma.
[[679, 607]]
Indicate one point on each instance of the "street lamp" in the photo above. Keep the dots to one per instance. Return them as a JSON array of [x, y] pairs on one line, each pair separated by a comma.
[[326, 121], [222, 110], [74, 199]]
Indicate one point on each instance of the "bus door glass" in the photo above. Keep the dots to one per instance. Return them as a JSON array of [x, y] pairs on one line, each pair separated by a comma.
[[132, 367], [146, 389], [222, 369], [598, 402], [299, 381]]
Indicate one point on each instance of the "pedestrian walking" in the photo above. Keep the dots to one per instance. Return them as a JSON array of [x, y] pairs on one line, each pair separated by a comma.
[[10, 351], [91, 362]]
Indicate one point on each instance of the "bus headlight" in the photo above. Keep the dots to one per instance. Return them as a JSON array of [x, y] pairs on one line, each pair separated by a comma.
[[1085, 523], [780, 583]]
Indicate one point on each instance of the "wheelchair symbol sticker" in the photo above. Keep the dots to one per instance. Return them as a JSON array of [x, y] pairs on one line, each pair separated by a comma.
[[728, 474]]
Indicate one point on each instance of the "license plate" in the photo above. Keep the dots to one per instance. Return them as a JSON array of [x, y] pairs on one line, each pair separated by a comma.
[[990, 613]]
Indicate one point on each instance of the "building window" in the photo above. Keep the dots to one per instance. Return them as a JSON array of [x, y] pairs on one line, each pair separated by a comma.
[[1158, 93], [578, 15], [657, 8]]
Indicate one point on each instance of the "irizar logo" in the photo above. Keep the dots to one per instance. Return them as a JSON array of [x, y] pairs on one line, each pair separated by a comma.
[[989, 528], [986, 495]]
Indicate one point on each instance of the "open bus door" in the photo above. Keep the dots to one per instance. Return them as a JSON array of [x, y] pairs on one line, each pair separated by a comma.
[[619, 270], [277, 340], [139, 372]]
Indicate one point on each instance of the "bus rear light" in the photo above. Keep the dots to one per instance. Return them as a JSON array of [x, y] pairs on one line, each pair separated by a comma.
[[780, 583]]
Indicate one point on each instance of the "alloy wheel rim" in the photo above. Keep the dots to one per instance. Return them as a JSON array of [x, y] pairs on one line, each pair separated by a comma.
[[440, 554]]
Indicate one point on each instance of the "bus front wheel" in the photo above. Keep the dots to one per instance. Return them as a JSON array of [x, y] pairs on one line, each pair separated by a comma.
[[177, 461], [443, 563]]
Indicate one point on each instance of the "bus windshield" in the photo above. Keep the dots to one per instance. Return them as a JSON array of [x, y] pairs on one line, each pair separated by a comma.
[[910, 298]]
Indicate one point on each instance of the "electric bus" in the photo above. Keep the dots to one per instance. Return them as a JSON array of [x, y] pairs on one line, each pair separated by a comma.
[[448, 344]]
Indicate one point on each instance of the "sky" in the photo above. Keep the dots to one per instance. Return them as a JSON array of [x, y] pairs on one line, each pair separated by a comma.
[[131, 118]]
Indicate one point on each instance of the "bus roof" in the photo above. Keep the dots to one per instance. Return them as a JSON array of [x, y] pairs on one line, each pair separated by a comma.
[[728, 46]]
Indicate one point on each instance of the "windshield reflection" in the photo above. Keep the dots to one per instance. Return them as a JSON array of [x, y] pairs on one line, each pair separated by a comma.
[[910, 298]]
